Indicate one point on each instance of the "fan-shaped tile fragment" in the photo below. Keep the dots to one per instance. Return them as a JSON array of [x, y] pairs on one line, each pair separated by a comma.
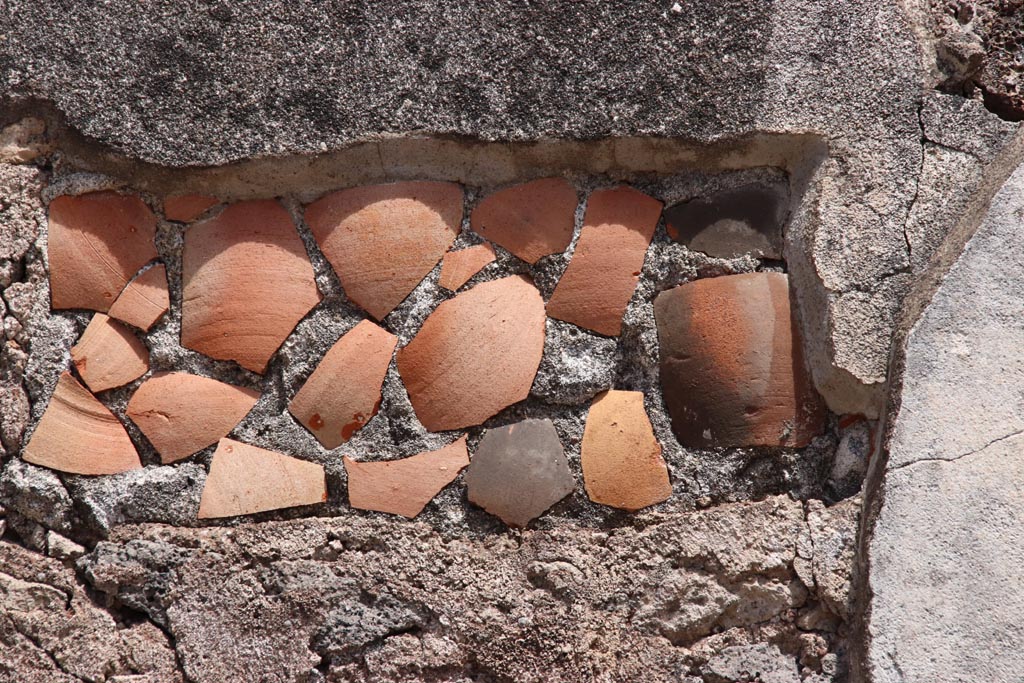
[[247, 283], [343, 393], [530, 220], [144, 300], [459, 266], [245, 479], [732, 367], [108, 354], [519, 471], [475, 354], [404, 487], [605, 267], [77, 434], [181, 413], [621, 457], [96, 244], [382, 240], [187, 207]]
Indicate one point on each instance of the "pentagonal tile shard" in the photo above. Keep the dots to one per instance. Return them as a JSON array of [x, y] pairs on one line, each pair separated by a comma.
[[531, 220], [247, 282], [459, 266], [108, 354], [187, 207], [144, 300], [475, 354]]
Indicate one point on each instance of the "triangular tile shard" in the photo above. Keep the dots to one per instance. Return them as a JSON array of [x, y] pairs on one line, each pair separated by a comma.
[[144, 300], [109, 354], [459, 266], [382, 240], [244, 480], [344, 391], [96, 244], [247, 282], [77, 434], [732, 367], [187, 207], [531, 220], [605, 267], [519, 471], [475, 354], [404, 487], [181, 413], [621, 457]]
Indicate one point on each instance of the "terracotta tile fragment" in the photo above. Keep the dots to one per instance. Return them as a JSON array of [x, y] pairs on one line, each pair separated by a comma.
[[732, 369], [144, 300], [382, 240], [181, 413], [459, 266], [108, 354], [530, 220], [475, 354], [77, 434], [519, 471], [621, 457], [599, 281], [245, 479], [343, 393], [247, 282], [404, 487], [97, 242], [187, 207]]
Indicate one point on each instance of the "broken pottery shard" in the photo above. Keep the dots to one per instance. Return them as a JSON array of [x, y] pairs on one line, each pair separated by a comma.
[[621, 458], [245, 479], [187, 207], [77, 434], [247, 283], [475, 354], [109, 354], [343, 393], [144, 300], [733, 222], [732, 369], [181, 413], [519, 471], [382, 240], [605, 267], [530, 220], [404, 487], [459, 266], [96, 243]]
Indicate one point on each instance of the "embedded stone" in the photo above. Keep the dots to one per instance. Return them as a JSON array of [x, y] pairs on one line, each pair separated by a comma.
[[531, 220], [187, 207], [404, 487], [247, 282], [144, 300], [732, 367], [459, 266], [621, 457], [475, 354], [382, 240], [344, 391], [77, 434], [605, 267], [181, 413], [96, 244], [108, 354], [245, 479], [519, 471]]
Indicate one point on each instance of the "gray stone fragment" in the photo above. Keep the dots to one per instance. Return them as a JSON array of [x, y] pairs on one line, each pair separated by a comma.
[[37, 494], [761, 663], [61, 548], [576, 366], [834, 540]]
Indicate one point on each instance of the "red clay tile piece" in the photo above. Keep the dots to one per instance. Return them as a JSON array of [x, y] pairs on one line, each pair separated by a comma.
[[96, 244], [77, 434], [245, 479], [404, 487], [605, 267], [732, 368], [621, 457], [108, 354], [144, 300], [459, 266], [343, 393], [181, 413], [475, 354], [530, 220], [187, 207], [247, 282], [382, 240]]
